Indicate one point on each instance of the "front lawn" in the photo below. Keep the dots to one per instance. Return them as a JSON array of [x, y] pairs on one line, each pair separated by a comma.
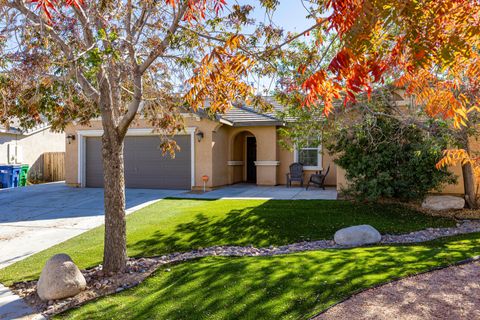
[[174, 225], [295, 286]]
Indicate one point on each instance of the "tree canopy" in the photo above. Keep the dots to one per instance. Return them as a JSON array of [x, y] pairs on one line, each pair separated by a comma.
[[75, 60]]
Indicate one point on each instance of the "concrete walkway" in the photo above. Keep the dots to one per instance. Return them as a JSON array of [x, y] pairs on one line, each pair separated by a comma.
[[250, 191]]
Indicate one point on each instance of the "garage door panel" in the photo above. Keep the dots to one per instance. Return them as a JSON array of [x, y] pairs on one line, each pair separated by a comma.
[[145, 165]]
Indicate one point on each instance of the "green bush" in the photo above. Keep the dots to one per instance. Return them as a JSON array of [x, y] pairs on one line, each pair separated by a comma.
[[385, 158]]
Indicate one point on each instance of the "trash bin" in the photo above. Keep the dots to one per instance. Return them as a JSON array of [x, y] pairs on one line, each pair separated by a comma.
[[9, 176], [23, 175]]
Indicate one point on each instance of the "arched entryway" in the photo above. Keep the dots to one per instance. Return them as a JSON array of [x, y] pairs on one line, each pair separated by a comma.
[[243, 158]]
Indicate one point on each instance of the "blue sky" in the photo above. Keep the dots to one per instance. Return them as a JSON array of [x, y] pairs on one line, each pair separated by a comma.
[[290, 14]]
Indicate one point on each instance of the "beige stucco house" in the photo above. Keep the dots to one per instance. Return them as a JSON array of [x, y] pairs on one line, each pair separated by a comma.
[[239, 146], [22, 146]]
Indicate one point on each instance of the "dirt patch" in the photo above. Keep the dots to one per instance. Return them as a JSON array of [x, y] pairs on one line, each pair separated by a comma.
[[450, 293]]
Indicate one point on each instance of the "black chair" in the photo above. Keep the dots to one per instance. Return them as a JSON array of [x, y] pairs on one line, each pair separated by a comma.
[[295, 174], [318, 179]]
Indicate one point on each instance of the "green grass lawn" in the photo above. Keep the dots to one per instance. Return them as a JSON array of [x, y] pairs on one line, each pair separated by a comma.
[[180, 225], [294, 286]]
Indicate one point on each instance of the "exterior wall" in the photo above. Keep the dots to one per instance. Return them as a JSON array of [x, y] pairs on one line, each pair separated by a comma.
[[236, 167], [220, 170], [267, 162], [33, 147], [286, 158], [220, 154], [203, 149]]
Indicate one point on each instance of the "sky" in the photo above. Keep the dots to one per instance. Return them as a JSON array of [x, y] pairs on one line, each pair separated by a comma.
[[290, 14]]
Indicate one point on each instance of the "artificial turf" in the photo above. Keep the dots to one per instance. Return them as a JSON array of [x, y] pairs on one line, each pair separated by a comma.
[[293, 286], [174, 225]]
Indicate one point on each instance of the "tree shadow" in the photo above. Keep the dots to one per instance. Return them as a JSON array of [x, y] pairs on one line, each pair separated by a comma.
[[295, 286], [278, 222]]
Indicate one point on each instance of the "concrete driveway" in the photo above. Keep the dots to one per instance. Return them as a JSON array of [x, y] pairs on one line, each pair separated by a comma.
[[37, 217]]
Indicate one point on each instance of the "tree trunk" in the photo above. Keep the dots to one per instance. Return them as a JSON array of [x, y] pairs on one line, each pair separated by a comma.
[[469, 185], [468, 176], [115, 248]]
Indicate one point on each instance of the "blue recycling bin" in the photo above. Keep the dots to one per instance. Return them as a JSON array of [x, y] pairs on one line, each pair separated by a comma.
[[9, 176]]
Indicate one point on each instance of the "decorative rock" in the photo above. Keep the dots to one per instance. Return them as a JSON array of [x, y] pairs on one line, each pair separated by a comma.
[[438, 203], [60, 278], [357, 235]]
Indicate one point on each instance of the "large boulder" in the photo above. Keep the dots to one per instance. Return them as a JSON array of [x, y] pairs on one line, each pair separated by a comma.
[[357, 235], [438, 203], [60, 278]]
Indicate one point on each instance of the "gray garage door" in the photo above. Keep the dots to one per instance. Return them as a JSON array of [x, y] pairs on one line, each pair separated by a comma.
[[145, 166]]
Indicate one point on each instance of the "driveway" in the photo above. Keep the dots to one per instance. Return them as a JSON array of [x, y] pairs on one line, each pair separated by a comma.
[[37, 217]]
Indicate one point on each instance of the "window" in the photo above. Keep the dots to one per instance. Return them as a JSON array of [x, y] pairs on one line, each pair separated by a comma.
[[310, 156]]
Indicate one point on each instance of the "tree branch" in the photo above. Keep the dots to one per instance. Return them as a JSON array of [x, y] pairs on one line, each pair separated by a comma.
[[164, 44]]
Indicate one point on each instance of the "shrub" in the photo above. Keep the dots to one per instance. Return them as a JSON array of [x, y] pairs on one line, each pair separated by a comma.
[[385, 158]]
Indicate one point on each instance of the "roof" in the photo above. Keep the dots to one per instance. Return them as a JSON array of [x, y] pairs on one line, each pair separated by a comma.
[[15, 127], [242, 115]]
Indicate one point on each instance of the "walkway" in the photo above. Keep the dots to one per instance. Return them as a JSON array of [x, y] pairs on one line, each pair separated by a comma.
[[248, 191], [451, 293]]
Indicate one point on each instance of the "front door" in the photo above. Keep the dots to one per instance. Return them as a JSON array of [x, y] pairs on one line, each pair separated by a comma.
[[251, 158]]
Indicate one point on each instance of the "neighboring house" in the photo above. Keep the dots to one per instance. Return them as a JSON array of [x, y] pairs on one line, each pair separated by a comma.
[[239, 146], [19, 146]]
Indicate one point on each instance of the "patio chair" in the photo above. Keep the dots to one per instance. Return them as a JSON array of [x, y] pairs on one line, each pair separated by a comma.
[[295, 174], [318, 179]]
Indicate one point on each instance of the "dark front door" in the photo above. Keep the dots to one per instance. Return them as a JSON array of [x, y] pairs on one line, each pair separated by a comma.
[[251, 158]]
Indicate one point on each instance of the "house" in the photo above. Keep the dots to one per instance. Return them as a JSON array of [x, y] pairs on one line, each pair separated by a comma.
[[241, 145], [27, 146]]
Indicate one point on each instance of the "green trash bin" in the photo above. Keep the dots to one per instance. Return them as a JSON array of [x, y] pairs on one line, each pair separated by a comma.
[[23, 175]]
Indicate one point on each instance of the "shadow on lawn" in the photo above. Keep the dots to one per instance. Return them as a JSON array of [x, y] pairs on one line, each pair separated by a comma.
[[295, 286], [279, 222]]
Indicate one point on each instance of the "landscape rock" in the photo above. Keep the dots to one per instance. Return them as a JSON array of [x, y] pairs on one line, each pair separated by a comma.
[[60, 278], [357, 235], [439, 203]]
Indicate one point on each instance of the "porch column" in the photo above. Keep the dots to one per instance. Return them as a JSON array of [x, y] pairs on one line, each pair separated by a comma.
[[267, 172], [267, 162]]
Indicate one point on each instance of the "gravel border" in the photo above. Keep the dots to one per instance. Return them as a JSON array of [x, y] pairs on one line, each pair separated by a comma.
[[463, 227]]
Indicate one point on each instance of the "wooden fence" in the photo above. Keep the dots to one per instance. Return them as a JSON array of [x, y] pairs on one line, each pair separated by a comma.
[[54, 166]]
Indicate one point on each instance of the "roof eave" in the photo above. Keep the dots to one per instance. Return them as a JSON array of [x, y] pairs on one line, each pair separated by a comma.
[[258, 124]]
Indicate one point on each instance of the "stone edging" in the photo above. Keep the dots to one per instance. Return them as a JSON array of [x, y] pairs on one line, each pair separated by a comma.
[[463, 227]]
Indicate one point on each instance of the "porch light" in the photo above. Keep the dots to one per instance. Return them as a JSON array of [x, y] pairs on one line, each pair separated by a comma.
[[70, 138], [199, 136]]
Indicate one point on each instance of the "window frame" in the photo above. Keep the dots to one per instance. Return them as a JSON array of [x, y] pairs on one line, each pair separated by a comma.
[[319, 165]]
